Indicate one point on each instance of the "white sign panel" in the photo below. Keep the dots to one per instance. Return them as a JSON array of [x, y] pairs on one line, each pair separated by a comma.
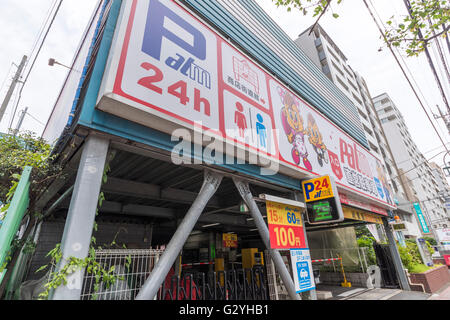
[[302, 270], [443, 234], [168, 65]]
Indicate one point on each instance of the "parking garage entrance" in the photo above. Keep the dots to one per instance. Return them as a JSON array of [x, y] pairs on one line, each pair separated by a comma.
[[204, 232]]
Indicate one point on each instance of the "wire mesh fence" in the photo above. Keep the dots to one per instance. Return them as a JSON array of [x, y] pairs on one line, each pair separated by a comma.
[[131, 267]]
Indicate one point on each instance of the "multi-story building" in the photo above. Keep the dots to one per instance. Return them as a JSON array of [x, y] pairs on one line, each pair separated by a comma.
[[411, 162], [444, 193], [324, 52]]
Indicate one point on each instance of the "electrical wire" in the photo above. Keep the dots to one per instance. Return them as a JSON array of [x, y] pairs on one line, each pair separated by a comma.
[[439, 48], [406, 76], [407, 68], [41, 30], [423, 153], [55, 13], [416, 167], [430, 61]]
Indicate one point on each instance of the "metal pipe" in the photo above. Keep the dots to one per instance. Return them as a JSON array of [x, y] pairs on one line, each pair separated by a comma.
[[244, 191], [150, 289], [59, 201]]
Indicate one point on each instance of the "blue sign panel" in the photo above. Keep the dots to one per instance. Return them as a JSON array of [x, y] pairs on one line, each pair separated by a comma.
[[302, 270], [421, 217]]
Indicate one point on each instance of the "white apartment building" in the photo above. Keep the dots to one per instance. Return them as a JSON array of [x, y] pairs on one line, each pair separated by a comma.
[[322, 50], [410, 161], [444, 193]]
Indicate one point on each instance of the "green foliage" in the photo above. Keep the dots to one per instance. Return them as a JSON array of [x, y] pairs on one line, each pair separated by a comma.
[[317, 6], [361, 231], [16, 152], [367, 242], [425, 23], [410, 256], [102, 276], [431, 241], [412, 33], [419, 268], [406, 257]]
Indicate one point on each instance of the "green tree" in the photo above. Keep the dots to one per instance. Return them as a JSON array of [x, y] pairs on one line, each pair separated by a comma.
[[431, 241], [361, 231], [16, 152], [428, 20]]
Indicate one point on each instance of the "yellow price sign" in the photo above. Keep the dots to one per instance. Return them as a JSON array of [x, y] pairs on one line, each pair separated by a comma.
[[282, 214], [285, 226], [318, 189], [230, 240]]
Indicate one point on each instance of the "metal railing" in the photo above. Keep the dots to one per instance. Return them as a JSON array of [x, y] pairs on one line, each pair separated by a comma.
[[132, 268], [356, 259]]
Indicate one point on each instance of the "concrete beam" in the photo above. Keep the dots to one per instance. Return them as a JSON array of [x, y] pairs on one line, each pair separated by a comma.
[[152, 192]]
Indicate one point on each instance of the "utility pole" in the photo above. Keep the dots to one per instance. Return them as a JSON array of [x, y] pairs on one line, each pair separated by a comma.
[[444, 117], [12, 87], [19, 124]]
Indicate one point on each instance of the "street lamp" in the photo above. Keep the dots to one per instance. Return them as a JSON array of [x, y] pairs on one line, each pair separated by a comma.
[[52, 62]]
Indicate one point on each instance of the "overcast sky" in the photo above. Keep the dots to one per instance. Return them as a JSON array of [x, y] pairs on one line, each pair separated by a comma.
[[354, 32]]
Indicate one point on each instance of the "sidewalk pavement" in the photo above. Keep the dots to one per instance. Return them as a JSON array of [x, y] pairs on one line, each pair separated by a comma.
[[443, 294]]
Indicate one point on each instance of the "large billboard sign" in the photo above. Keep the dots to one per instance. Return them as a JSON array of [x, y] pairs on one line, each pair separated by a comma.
[[170, 70]]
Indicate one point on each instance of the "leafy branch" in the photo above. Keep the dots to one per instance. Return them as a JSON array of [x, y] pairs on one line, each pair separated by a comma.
[[427, 20], [101, 275]]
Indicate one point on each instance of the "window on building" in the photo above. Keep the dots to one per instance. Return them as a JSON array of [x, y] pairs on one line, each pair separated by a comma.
[[342, 83], [388, 167], [353, 86], [394, 184], [333, 54], [337, 68], [355, 97]]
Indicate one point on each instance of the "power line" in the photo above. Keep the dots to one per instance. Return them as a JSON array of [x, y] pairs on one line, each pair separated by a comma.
[[406, 76], [423, 154], [430, 61], [428, 200], [407, 68], [55, 13], [416, 167]]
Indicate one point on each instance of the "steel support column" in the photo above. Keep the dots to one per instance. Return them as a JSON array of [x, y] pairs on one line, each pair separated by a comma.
[[396, 256], [211, 183], [81, 216], [244, 191]]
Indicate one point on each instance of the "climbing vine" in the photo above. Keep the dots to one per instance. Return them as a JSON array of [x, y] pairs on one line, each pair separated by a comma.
[[101, 275]]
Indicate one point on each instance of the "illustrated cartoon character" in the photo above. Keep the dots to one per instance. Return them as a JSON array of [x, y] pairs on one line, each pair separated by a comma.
[[294, 129], [316, 140], [384, 183]]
